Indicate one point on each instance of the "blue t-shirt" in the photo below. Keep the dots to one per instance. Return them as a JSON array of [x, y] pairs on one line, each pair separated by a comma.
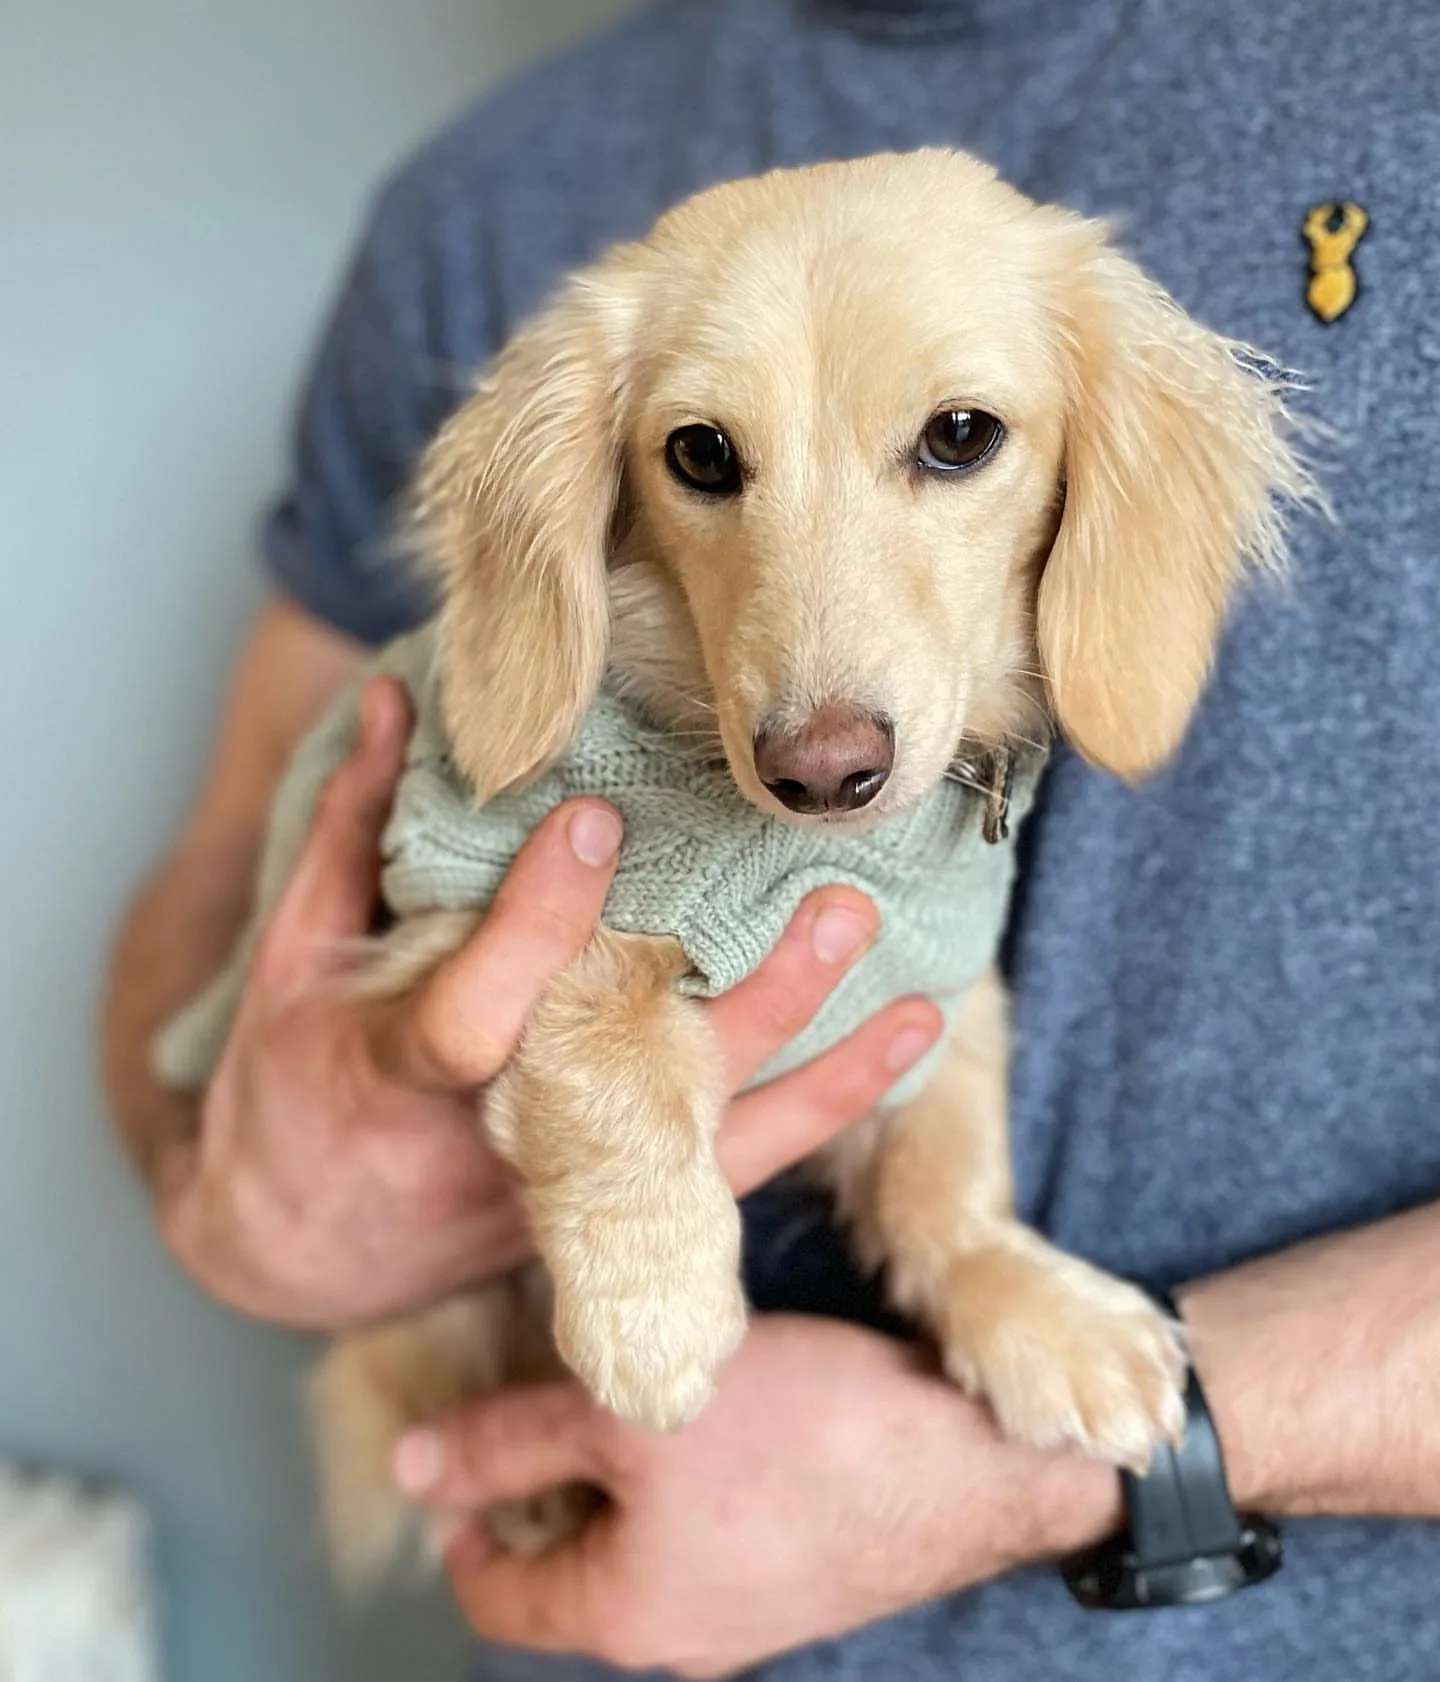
[[1227, 984]]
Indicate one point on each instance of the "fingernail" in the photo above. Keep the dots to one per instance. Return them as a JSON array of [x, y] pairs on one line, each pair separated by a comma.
[[839, 933], [419, 1461], [907, 1048], [595, 834]]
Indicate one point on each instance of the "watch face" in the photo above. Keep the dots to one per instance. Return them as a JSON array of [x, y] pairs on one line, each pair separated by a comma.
[[1111, 1578]]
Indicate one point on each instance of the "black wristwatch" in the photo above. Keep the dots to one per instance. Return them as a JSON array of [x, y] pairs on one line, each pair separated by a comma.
[[1185, 1544]]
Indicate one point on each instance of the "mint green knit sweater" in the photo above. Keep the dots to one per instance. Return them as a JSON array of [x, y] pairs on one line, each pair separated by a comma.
[[699, 863]]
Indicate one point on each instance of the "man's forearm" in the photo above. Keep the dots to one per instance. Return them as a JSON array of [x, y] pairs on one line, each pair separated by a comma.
[[1322, 1366]]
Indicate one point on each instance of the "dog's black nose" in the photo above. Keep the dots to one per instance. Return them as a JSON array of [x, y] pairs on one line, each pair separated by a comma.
[[837, 761]]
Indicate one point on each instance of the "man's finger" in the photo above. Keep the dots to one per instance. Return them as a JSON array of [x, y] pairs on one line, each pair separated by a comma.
[[541, 1604], [505, 1446], [829, 930], [331, 892], [776, 1125], [465, 1023]]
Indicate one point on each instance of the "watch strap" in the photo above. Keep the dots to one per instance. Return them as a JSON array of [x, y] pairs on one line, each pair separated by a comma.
[[1185, 1543]]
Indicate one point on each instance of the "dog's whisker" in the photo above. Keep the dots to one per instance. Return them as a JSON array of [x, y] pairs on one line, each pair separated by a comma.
[[973, 745], [696, 701]]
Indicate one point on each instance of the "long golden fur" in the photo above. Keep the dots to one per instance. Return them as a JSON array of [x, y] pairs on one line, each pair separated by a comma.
[[820, 316]]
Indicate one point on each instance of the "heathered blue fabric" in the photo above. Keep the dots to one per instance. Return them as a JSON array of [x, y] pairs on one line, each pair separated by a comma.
[[1228, 985]]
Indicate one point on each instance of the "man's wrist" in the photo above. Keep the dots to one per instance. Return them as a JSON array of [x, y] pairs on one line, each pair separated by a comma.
[[1267, 1365], [1080, 1502], [1075, 1503], [1231, 1342]]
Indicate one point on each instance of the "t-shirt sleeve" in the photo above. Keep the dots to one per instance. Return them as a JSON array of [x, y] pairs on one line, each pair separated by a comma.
[[380, 384]]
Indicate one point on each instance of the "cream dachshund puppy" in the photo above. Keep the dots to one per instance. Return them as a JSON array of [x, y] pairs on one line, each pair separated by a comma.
[[838, 471]]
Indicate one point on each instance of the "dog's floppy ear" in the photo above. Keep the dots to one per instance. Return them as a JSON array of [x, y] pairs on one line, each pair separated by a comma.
[[513, 508], [1177, 470]]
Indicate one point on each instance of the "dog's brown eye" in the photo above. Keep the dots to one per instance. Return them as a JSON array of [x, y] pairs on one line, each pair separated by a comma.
[[703, 458], [957, 438]]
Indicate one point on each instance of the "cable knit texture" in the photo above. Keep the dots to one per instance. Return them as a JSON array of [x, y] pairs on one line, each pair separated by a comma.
[[699, 863]]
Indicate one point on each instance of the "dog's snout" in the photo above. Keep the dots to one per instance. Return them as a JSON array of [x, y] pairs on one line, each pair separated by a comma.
[[837, 761]]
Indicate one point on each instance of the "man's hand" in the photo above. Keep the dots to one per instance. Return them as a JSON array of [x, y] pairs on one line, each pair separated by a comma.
[[834, 1479], [340, 1174]]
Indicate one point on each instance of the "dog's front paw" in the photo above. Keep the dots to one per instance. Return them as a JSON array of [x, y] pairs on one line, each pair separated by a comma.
[[653, 1310], [1065, 1355]]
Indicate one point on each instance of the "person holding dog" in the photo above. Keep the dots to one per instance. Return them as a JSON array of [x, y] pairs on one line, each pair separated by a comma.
[[1226, 987]]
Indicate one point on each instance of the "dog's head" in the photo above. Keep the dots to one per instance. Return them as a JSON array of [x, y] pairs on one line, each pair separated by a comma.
[[843, 466]]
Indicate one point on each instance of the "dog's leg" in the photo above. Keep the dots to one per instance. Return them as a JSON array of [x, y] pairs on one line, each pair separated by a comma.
[[1064, 1353], [372, 1386], [609, 1112]]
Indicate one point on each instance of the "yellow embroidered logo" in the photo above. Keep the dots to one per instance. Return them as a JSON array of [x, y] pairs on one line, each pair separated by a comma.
[[1333, 231]]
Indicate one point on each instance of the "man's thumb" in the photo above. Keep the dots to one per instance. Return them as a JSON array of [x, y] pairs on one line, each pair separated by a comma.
[[505, 1446]]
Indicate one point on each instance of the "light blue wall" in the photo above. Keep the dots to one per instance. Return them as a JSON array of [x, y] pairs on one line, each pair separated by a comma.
[[178, 183]]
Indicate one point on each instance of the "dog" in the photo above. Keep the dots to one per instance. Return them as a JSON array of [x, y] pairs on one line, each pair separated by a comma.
[[838, 474]]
